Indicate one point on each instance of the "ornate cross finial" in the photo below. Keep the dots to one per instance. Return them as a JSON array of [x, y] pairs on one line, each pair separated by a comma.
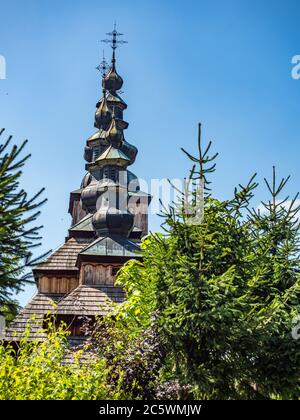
[[103, 66], [114, 41]]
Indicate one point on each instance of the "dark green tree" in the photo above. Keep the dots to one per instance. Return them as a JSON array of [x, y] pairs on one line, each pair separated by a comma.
[[224, 286], [18, 236]]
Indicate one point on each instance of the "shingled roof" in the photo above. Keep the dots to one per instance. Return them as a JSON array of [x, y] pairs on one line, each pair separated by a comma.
[[64, 258], [90, 300], [31, 317]]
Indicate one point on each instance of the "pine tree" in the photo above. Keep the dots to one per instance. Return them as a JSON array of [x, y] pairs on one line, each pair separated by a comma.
[[18, 236]]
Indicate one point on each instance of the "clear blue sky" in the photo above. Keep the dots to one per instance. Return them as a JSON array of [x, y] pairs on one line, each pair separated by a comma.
[[224, 63]]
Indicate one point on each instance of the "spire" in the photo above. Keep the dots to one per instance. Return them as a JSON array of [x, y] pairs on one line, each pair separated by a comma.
[[106, 196], [102, 115], [112, 81]]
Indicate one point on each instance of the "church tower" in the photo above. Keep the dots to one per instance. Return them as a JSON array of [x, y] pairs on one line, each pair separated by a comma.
[[109, 218]]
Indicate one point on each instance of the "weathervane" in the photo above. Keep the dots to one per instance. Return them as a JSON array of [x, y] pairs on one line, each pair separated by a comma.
[[114, 41], [103, 66]]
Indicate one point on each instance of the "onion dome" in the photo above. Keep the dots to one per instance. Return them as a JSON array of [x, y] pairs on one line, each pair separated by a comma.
[[109, 220], [129, 150], [88, 153], [112, 81], [89, 196], [103, 114], [114, 134], [86, 180]]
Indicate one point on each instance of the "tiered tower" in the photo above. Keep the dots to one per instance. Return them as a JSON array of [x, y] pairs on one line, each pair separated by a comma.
[[109, 218]]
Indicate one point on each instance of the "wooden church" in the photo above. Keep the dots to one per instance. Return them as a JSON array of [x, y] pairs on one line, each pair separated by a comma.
[[109, 218]]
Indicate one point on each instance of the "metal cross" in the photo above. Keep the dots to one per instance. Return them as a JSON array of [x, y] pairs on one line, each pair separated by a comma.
[[113, 40], [103, 66]]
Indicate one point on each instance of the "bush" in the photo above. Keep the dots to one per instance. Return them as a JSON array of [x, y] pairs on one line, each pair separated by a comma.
[[37, 371]]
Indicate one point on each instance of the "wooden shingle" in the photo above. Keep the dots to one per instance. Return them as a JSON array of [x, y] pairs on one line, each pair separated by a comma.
[[31, 317], [64, 258], [90, 300]]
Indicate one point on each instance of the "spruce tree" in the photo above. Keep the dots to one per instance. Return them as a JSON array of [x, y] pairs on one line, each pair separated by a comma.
[[224, 286], [18, 235]]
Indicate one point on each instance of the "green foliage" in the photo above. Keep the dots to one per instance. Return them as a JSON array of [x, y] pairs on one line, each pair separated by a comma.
[[224, 291], [36, 371], [208, 313], [136, 313], [9, 312], [17, 235]]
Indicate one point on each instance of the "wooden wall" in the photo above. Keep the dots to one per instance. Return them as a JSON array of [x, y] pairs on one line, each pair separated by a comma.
[[49, 284], [89, 274], [98, 274]]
